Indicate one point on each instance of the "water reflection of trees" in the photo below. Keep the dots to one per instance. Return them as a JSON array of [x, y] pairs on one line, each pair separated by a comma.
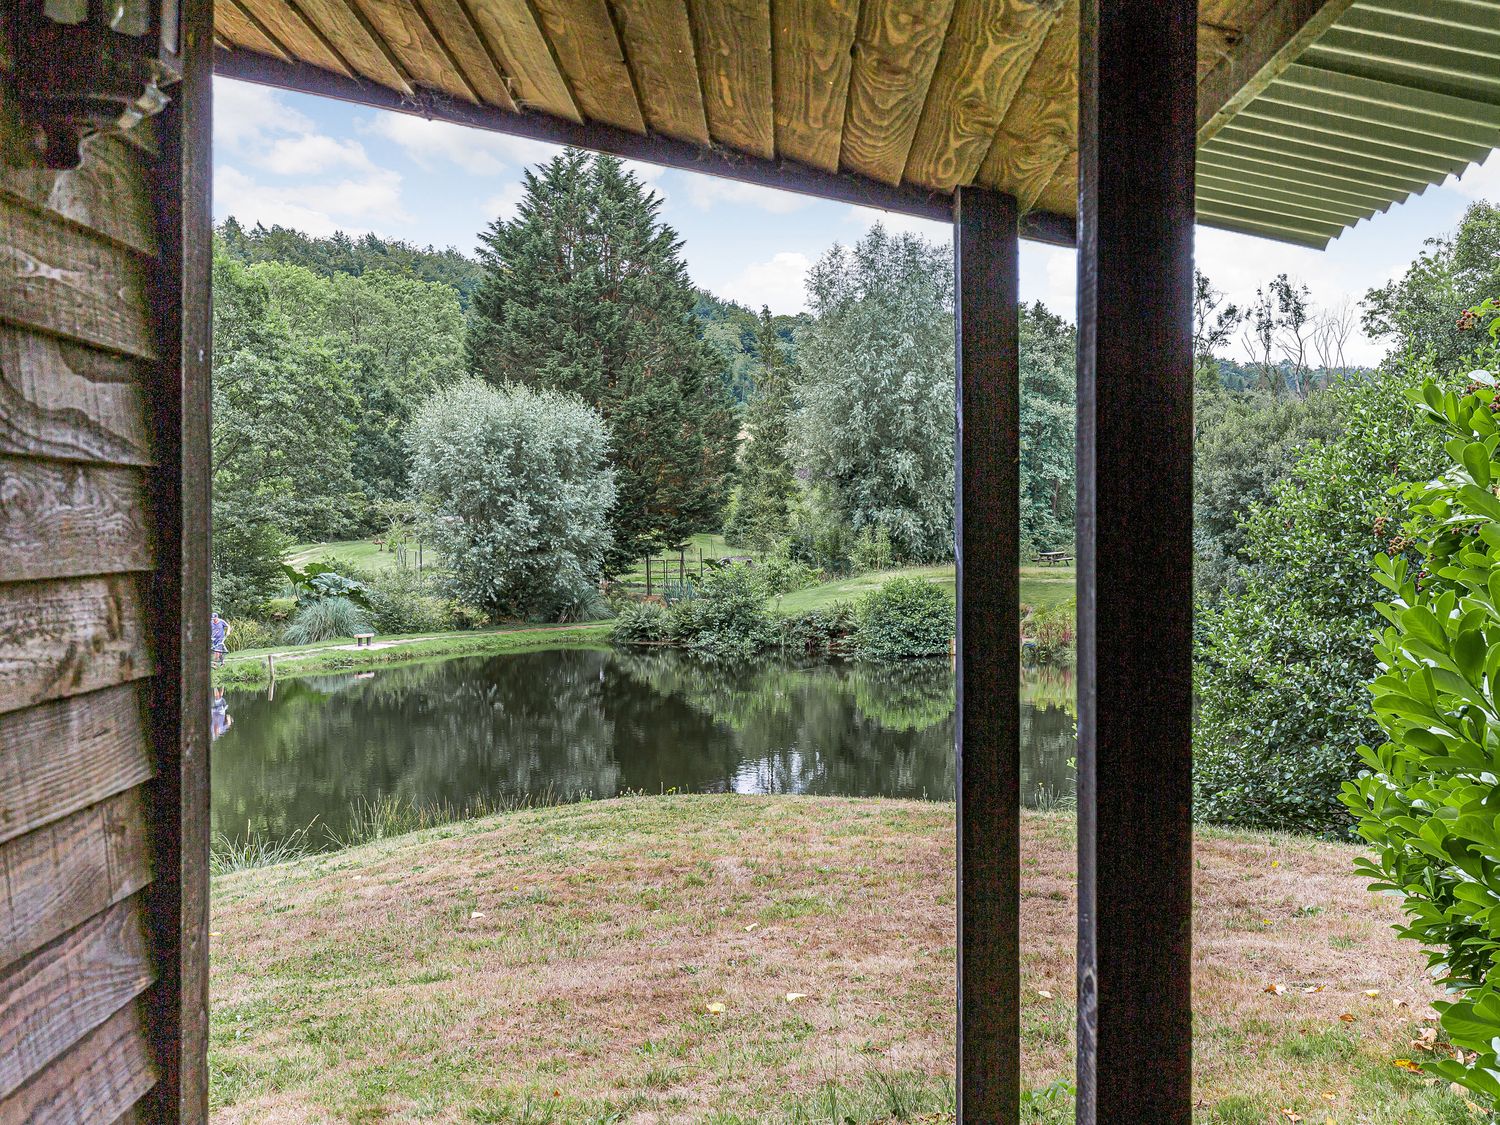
[[571, 723]]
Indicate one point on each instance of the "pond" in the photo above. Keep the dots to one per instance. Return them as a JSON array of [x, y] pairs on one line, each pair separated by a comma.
[[562, 725]]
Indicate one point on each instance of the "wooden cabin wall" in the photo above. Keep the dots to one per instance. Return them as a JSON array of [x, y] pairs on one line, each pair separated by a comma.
[[97, 887]]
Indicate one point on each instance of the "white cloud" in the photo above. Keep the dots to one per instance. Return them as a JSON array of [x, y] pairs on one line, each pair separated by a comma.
[[313, 154], [779, 283], [244, 113], [706, 192], [352, 205], [505, 204], [480, 153], [897, 223], [1481, 181]]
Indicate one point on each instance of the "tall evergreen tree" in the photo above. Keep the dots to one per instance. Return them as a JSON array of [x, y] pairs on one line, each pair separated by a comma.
[[767, 482], [585, 291]]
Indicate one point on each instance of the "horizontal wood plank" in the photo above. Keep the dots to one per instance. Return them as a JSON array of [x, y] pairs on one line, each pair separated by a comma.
[[64, 638], [54, 998], [513, 31], [733, 43], [418, 53], [66, 754], [358, 46], [62, 875], [988, 53], [77, 286], [584, 40], [100, 1079], [293, 33], [812, 39], [70, 402], [1041, 127], [106, 193], [658, 42], [895, 52], [61, 519]]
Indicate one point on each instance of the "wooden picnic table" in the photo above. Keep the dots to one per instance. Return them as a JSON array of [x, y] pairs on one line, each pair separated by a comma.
[[1054, 558]]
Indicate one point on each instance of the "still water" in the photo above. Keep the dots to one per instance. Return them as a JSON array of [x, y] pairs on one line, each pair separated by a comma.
[[567, 724]]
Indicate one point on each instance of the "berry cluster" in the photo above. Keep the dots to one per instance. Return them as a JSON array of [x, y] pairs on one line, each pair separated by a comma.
[[1467, 319]]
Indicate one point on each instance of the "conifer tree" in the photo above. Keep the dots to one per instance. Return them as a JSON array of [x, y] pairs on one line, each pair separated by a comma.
[[767, 483], [585, 291]]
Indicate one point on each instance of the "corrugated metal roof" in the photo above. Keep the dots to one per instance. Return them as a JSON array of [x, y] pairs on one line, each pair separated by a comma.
[[1393, 98]]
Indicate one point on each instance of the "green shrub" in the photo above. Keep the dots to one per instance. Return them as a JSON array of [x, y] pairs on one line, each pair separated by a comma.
[[1048, 634], [871, 549], [642, 623], [905, 618], [246, 634], [727, 618], [821, 632], [403, 602], [326, 619], [1427, 799], [781, 574]]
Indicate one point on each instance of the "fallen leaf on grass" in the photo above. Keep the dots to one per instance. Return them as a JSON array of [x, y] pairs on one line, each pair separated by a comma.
[[477, 914], [1044, 994], [1291, 1115], [1312, 988], [1274, 989], [1476, 1109], [716, 1008], [1347, 1017], [1372, 993], [1426, 1039], [752, 927], [1406, 1065], [793, 997]]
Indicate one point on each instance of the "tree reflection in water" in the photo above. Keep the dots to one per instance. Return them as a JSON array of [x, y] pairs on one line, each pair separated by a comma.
[[574, 723]]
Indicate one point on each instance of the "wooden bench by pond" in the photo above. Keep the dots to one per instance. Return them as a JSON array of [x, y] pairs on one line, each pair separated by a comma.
[[362, 640]]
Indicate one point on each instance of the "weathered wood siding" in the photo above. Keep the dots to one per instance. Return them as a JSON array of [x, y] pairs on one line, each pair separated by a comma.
[[91, 594]]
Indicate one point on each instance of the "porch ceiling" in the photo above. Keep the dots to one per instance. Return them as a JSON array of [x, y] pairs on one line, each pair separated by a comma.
[[1313, 113]]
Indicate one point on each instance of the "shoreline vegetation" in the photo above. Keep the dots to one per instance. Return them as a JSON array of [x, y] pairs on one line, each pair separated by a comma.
[[739, 959], [1043, 588]]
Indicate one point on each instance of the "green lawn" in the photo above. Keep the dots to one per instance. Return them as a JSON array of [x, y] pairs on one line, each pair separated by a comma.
[[359, 553], [712, 546], [755, 960], [1041, 586]]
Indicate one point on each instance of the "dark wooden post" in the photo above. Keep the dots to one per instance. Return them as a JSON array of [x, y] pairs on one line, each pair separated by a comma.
[[987, 511], [1137, 121]]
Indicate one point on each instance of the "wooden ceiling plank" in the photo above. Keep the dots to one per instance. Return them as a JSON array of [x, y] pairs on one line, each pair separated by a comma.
[[356, 39], [733, 41], [1264, 51], [589, 51], [987, 55], [659, 52], [263, 29], [493, 65], [811, 40], [1040, 129], [246, 31], [896, 50], [413, 45], [278, 22], [446, 29], [374, 35], [512, 29], [316, 30]]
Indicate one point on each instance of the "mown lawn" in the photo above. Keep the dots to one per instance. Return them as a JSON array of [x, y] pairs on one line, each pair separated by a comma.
[[1041, 587], [735, 959], [360, 553]]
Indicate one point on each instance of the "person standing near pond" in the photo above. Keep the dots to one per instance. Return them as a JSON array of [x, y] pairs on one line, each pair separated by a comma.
[[218, 635]]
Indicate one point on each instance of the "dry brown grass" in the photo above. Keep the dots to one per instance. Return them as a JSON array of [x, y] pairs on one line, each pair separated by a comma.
[[559, 965]]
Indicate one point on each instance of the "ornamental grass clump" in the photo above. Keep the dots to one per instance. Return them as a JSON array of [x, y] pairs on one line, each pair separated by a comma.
[[1427, 799]]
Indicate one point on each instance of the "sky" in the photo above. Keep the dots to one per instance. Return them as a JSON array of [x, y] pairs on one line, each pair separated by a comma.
[[321, 166]]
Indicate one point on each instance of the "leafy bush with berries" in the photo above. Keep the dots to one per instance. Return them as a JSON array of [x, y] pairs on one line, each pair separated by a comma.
[[1427, 799], [1282, 661]]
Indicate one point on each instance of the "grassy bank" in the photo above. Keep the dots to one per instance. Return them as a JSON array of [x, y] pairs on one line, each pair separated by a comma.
[[248, 668], [733, 959]]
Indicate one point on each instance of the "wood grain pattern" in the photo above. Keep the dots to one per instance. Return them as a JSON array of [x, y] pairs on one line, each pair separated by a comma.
[[812, 40], [467, 41], [583, 37], [62, 875], [292, 32], [733, 43], [105, 194], [63, 638], [62, 756], [61, 519], [364, 52], [69, 402], [659, 50], [406, 34], [55, 997], [81, 287], [1041, 127], [240, 31], [245, 18], [109, 1070], [513, 32], [989, 51], [896, 51]]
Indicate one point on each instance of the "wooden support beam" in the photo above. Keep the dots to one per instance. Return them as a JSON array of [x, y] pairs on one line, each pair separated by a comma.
[[987, 550], [1135, 565], [1263, 52], [247, 66], [178, 798]]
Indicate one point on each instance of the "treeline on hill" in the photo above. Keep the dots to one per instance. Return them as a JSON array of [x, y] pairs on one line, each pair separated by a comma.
[[1301, 465], [824, 438]]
